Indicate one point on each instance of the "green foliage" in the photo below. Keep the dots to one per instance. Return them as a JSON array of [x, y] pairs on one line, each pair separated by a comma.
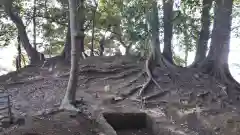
[[24, 60], [178, 60], [121, 22]]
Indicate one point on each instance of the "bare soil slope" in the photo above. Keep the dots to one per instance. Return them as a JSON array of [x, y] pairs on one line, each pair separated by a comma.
[[188, 102]]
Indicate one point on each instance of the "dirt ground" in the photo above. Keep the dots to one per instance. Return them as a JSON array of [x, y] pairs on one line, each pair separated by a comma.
[[61, 123], [189, 102]]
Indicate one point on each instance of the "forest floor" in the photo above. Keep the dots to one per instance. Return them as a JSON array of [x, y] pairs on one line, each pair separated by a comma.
[[188, 102]]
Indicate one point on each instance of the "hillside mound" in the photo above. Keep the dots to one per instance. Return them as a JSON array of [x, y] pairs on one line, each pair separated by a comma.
[[183, 101]]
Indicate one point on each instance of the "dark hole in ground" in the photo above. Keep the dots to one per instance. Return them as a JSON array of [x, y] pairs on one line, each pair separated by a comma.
[[129, 123]]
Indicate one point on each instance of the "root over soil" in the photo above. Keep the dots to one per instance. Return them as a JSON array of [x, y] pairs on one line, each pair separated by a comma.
[[191, 101]]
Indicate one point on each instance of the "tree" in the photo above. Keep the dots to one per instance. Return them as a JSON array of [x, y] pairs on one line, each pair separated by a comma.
[[34, 24], [168, 29], [66, 53], [155, 57], [204, 33], [35, 57], [77, 35], [18, 59], [94, 10], [216, 62]]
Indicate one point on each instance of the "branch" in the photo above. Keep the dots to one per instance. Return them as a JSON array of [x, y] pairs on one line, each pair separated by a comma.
[[236, 27], [119, 37]]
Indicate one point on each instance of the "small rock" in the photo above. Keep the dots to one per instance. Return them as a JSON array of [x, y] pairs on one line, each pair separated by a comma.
[[196, 76], [41, 112], [17, 107], [56, 105], [117, 98], [216, 129], [107, 88], [23, 114]]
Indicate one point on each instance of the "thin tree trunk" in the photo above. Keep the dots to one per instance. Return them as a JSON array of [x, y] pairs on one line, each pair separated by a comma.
[[93, 32], [77, 34], [204, 33], [80, 27], [34, 25], [66, 53], [216, 62], [155, 35], [168, 29], [101, 44], [31, 52], [18, 60], [186, 50], [127, 52]]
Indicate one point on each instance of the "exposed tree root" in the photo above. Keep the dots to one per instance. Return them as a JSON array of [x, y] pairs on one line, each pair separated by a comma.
[[134, 80], [111, 66], [144, 87], [150, 78], [66, 105], [88, 80], [124, 74], [131, 91], [99, 70], [222, 74], [156, 95]]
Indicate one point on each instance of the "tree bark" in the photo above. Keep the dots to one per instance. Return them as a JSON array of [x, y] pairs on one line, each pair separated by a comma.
[[101, 44], [34, 25], [216, 62], [18, 59], [168, 29], [66, 53], [35, 57], [155, 57], [77, 34], [155, 35], [93, 32], [187, 48], [204, 33]]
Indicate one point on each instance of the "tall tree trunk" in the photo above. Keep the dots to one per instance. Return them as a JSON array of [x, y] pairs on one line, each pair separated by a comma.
[[34, 25], [66, 53], [127, 52], [204, 33], [101, 44], [155, 34], [155, 57], [80, 27], [93, 32], [77, 34], [18, 59], [35, 57], [186, 49], [216, 62], [168, 29]]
